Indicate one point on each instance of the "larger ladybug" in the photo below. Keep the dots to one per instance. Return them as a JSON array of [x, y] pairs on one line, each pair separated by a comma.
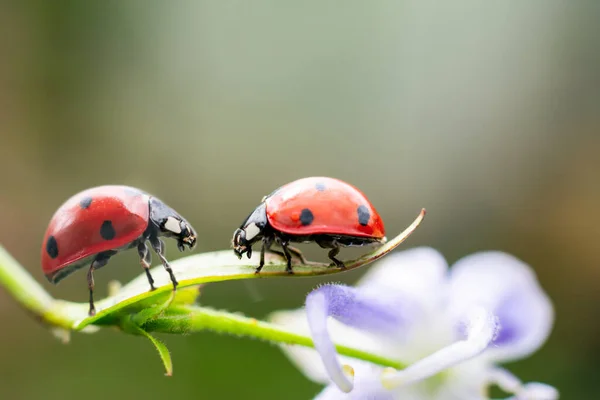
[[94, 225], [327, 211]]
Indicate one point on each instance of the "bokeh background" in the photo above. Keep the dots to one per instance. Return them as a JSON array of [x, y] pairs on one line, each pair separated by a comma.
[[485, 113]]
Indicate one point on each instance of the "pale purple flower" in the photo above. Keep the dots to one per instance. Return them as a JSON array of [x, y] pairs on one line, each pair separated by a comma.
[[451, 327]]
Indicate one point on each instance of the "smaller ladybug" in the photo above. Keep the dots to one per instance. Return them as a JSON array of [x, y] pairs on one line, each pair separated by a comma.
[[327, 211], [94, 225]]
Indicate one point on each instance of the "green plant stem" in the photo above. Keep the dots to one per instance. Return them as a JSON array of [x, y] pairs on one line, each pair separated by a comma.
[[32, 296], [191, 319], [22, 286], [134, 306], [179, 319]]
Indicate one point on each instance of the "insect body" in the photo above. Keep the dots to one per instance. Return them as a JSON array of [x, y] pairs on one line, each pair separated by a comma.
[[94, 225], [327, 211]]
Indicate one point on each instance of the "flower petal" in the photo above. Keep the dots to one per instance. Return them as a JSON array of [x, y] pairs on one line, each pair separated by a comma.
[[364, 309], [537, 391], [308, 360], [530, 391], [317, 311], [305, 359], [416, 273], [508, 287], [366, 386], [420, 275], [367, 310], [399, 296], [480, 328]]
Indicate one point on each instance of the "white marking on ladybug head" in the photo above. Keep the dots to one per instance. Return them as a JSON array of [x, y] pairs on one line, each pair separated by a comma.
[[251, 231], [172, 225]]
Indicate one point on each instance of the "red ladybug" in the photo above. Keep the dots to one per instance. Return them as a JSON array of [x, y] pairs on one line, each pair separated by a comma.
[[96, 224], [324, 210]]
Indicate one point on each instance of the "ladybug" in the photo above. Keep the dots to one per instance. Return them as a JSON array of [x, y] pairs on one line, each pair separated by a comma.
[[97, 223], [327, 211]]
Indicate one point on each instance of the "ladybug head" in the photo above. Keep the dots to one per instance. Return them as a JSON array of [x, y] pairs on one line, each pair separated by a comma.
[[250, 232], [171, 224], [240, 244]]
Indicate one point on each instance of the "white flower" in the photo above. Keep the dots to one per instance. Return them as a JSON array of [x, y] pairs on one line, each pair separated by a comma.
[[450, 327]]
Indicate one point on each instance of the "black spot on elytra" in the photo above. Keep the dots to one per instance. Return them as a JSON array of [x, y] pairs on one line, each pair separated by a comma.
[[85, 202], [52, 247], [306, 217], [363, 215], [107, 231], [320, 186]]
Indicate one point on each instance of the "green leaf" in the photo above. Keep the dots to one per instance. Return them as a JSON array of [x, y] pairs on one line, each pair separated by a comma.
[[191, 272], [136, 310], [134, 324], [213, 267], [163, 352]]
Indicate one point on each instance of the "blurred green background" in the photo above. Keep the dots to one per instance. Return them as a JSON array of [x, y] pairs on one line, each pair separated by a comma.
[[485, 113]]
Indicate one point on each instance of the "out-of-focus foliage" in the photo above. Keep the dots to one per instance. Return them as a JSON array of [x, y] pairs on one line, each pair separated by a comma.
[[485, 114]]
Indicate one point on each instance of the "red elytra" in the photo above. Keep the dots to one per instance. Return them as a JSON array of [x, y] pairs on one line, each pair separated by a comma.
[[336, 208], [77, 227], [324, 210], [97, 223]]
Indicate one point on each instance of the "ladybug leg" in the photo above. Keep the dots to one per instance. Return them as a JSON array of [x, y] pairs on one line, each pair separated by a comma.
[[159, 247], [288, 256], [266, 245], [90, 281], [279, 253], [294, 251], [334, 252], [145, 260], [298, 254], [100, 261], [335, 249]]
